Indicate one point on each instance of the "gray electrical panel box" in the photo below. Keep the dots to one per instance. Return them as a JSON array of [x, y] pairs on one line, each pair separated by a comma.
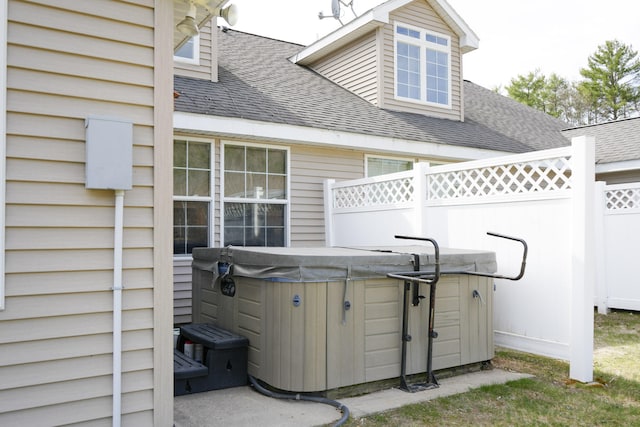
[[109, 157]]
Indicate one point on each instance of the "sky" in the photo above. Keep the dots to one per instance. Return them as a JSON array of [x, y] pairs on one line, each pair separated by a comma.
[[516, 36]]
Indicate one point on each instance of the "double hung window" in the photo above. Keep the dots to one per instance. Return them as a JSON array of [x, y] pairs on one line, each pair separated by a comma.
[[256, 195], [423, 66], [192, 196], [383, 165]]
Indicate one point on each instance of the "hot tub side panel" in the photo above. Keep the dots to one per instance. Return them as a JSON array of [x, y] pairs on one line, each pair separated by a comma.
[[364, 342], [285, 323]]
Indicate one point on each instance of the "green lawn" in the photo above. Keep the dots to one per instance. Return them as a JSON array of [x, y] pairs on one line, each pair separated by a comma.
[[549, 398]]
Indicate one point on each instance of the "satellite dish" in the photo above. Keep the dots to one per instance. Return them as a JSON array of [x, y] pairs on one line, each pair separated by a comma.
[[335, 8]]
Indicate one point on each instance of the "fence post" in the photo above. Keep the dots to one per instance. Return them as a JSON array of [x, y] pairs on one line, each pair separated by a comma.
[[328, 211], [583, 259], [602, 293], [419, 197]]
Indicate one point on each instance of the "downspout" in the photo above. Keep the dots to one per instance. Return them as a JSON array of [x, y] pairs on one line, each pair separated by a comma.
[[117, 307]]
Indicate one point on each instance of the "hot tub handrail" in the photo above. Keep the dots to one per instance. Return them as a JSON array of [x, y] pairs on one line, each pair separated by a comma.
[[422, 276]]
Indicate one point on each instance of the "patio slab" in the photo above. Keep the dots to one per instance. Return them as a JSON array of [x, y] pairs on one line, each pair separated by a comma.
[[243, 406]]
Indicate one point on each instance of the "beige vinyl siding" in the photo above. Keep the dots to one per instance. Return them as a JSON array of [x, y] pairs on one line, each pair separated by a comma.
[[623, 177], [310, 166], [355, 68], [420, 14], [207, 68], [68, 60], [182, 290]]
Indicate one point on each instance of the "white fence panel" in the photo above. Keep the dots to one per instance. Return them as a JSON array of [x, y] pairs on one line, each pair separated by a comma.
[[620, 251], [544, 197]]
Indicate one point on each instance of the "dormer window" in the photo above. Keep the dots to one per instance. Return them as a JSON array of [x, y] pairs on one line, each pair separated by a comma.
[[189, 52], [422, 66]]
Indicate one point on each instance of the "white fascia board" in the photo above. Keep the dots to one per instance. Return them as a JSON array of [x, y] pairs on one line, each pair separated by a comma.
[[622, 166], [339, 37], [256, 130], [469, 41]]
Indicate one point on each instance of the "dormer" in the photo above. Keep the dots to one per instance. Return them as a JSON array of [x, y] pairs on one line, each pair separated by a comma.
[[196, 55], [404, 55]]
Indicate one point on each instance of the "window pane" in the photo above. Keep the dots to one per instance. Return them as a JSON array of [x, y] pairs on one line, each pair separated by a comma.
[[443, 58], [275, 237], [180, 154], [277, 161], [256, 159], [179, 182], [275, 215], [403, 49], [197, 237], [179, 241], [233, 158], [402, 30], [199, 155], [186, 50], [234, 184], [414, 51], [199, 183], [234, 236], [254, 237], [414, 92], [403, 90], [256, 185], [197, 213], [443, 98], [379, 166], [234, 215], [276, 187], [190, 226]]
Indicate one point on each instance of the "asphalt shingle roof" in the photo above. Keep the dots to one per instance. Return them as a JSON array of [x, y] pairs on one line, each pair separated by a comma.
[[258, 82], [615, 141]]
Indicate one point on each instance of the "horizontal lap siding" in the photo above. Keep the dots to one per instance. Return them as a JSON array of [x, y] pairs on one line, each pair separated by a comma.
[[309, 168], [420, 14], [355, 68], [68, 60]]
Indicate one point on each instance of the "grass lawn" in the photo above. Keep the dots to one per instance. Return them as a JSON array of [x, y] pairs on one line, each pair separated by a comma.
[[550, 398]]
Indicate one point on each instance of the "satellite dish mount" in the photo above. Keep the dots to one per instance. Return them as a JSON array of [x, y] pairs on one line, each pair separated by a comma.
[[336, 12]]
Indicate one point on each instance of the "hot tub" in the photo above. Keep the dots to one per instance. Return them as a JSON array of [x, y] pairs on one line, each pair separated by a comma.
[[318, 319]]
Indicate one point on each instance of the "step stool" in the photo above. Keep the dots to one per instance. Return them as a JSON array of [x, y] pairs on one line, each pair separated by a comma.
[[225, 354], [189, 376]]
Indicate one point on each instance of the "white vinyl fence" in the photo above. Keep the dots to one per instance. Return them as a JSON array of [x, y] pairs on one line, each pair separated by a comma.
[[618, 238], [544, 197]]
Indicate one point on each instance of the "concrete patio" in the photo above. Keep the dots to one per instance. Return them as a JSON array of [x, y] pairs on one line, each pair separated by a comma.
[[243, 406]]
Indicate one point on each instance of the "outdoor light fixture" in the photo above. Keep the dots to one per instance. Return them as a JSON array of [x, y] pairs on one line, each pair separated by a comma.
[[230, 14], [188, 25]]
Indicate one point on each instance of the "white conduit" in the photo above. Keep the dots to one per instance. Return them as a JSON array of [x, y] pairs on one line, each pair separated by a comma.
[[117, 307]]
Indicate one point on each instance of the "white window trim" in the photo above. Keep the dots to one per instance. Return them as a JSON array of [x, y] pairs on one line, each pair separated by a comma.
[[210, 198], [422, 44], [286, 202], [3, 140], [375, 156], [196, 53]]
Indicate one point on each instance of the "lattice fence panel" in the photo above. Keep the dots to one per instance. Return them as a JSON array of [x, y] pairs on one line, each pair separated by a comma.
[[622, 199], [374, 194], [539, 176]]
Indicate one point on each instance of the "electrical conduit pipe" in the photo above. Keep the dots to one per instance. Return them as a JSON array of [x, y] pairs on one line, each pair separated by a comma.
[[117, 307]]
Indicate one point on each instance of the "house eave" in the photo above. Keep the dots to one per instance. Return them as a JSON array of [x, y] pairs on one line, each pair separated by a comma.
[[377, 17], [237, 128]]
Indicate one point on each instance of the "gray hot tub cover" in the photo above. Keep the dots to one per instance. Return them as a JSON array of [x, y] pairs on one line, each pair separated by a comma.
[[333, 263]]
